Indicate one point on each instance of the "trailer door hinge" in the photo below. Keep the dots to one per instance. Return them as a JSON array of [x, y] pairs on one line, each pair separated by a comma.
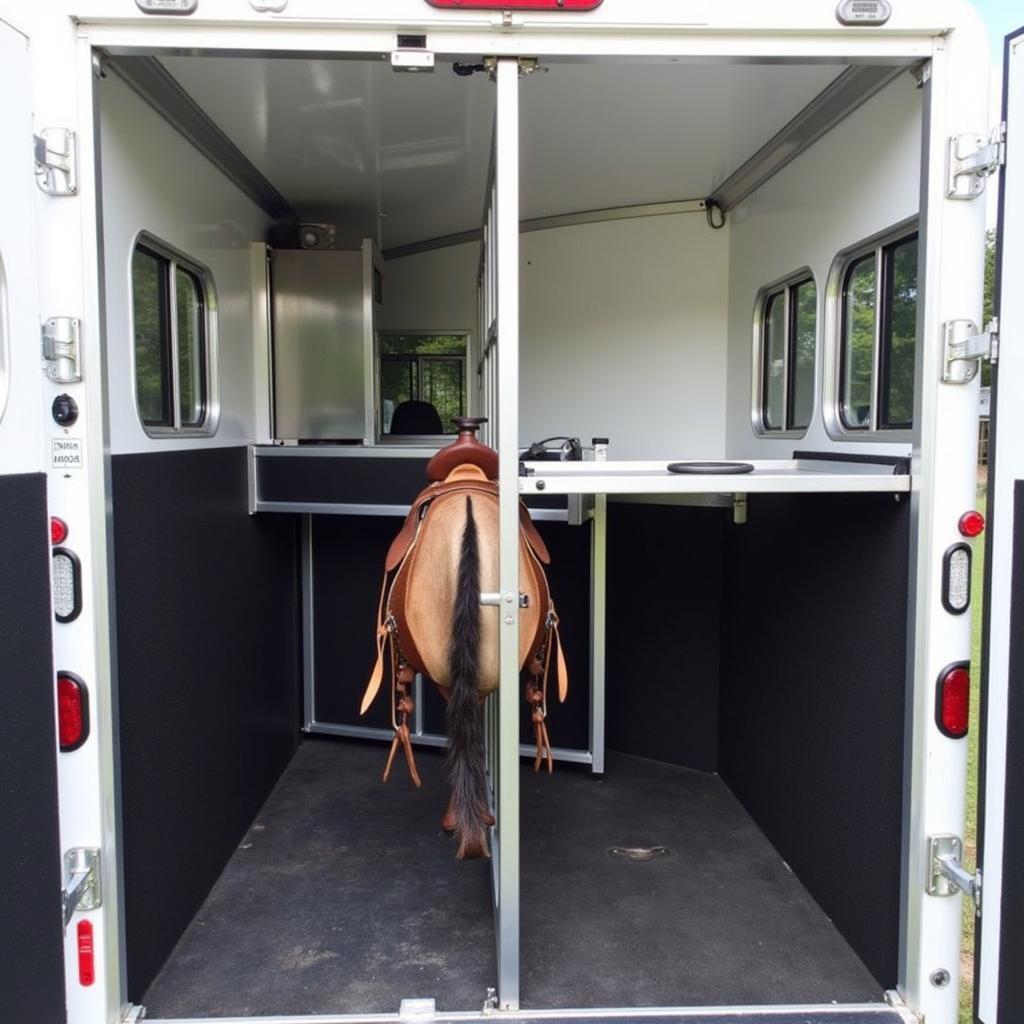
[[971, 160], [56, 163], [81, 882], [947, 876], [963, 348], [62, 362]]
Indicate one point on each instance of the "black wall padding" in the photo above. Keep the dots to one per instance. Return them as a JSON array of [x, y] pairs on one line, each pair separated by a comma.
[[208, 666], [569, 579], [31, 945], [344, 480], [662, 659], [348, 555], [1011, 941], [812, 699], [349, 558]]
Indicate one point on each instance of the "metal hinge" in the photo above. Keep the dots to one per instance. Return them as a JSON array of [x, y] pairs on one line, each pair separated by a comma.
[[417, 1011], [56, 164], [963, 348], [81, 881], [971, 160], [947, 876], [62, 356]]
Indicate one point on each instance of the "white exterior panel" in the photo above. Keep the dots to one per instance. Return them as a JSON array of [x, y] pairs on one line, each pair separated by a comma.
[[153, 180]]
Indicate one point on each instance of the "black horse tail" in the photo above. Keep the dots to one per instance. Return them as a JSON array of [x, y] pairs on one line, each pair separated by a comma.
[[465, 711]]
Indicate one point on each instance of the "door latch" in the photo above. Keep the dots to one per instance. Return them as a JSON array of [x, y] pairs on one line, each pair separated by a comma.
[[964, 347], [947, 876], [56, 170], [970, 160], [62, 350], [82, 889]]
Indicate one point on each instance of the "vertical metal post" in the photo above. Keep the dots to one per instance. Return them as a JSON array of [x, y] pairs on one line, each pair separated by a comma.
[[944, 471], [507, 221], [308, 640], [598, 570]]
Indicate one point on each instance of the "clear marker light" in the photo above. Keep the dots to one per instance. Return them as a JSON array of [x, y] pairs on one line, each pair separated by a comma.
[[67, 586], [956, 579]]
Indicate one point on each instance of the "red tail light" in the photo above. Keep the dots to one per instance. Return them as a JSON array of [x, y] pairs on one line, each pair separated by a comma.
[[971, 523], [72, 711], [58, 530], [953, 700], [86, 956]]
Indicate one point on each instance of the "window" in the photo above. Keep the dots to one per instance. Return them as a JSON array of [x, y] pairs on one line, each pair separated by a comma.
[[171, 300], [422, 378], [785, 337], [878, 336]]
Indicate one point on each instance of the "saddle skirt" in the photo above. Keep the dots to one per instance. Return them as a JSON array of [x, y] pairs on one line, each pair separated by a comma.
[[421, 570]]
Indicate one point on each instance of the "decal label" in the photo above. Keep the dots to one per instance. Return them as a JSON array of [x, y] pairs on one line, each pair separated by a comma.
[[66, 453]]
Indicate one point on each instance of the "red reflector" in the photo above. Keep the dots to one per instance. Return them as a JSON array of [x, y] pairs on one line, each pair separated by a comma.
[[86, 957], [58, 530], [953, 701], [72, 712], [971, 523], [517, 5]]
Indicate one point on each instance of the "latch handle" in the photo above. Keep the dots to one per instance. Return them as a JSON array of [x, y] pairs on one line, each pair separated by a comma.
[[82, 889]]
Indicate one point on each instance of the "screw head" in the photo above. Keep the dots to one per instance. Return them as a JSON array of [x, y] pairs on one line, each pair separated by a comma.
[[940, 978]]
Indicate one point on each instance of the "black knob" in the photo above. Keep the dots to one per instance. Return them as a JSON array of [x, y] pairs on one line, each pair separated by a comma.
[[65, 410]]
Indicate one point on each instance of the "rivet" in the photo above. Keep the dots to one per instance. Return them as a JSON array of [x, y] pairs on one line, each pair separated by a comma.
[[940, 978], [509, 620]]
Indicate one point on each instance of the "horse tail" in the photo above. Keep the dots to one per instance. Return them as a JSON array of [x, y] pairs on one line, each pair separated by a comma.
[[465, 711]]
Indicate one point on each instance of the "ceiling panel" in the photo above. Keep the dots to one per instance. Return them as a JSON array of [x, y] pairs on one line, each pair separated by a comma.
[[404, 157], [607, 135]]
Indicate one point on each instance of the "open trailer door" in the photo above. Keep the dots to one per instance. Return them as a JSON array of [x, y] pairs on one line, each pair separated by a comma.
[[31, 946], [1000, 980]]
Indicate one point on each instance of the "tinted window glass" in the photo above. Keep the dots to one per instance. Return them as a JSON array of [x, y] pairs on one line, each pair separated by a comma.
[[899, 334], [775, 361], [804, 299], [191, 347], [858, 342], [152, 338]]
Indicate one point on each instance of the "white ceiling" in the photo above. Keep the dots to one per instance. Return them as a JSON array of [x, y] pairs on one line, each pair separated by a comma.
[[404, 157]]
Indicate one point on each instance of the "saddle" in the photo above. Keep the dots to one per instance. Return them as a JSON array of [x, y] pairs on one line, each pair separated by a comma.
[[415, 631]]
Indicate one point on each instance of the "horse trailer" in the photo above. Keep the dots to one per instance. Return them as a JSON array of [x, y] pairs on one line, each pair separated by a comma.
[[256, 255]]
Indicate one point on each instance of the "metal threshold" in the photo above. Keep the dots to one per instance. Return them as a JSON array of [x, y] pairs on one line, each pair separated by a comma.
[[827, 1013]]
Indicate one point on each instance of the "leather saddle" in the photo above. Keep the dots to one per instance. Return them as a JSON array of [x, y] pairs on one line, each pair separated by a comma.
[[413, 615]]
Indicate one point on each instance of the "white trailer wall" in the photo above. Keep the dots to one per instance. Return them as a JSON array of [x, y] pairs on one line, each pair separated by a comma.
[[623, 335], [622, 329], [861, 178], [154, 181]]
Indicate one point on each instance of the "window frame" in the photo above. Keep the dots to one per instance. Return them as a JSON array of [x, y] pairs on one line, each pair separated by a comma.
[[835, 334], [435, 440], [175, 259], [783, 286]]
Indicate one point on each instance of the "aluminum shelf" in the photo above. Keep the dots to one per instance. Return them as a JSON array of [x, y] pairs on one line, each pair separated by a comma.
[[769, 476]]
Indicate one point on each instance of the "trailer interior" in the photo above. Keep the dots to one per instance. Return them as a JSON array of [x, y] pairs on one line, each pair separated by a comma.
[[742, 845]]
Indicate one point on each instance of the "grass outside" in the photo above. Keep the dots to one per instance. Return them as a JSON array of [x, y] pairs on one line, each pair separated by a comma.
[[971, 829]]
